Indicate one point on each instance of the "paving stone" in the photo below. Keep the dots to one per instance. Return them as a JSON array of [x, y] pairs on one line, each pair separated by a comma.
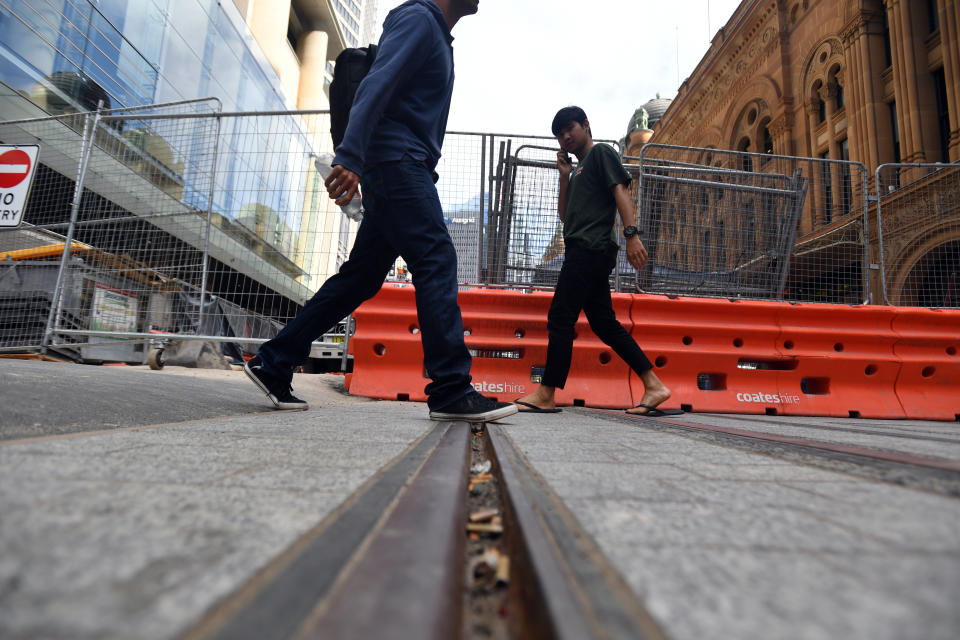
[[712, 592], [135, 533]]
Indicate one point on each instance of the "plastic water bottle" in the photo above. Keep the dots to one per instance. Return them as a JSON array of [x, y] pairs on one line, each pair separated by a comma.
[[354, 208]]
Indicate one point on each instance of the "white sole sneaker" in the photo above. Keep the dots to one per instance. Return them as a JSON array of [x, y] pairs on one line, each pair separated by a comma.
[[279, 404], [486, 416]]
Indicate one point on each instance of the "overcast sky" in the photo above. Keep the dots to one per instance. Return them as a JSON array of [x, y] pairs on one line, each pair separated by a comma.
[[518, 61]]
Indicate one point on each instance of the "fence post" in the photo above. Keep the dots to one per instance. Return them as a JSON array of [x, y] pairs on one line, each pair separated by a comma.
[[484, 206], [883, 267], [206, 238], [865, 269], [346, 344], [86, 147]]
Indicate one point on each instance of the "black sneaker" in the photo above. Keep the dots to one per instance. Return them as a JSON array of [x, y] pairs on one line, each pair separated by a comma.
[[280, 394], [474, 407]]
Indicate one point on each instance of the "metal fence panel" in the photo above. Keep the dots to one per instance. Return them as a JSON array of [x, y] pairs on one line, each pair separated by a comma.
[[186, 221], [746, 225], [464, 195], [523, 233], [106, 184], [182, 220], [918, 232]]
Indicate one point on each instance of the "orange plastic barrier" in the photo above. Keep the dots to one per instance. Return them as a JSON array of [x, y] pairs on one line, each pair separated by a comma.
[[387, 356], [699, 347], [928, 344], [845, 365], [505, 330], [720, 355], [758, 357]]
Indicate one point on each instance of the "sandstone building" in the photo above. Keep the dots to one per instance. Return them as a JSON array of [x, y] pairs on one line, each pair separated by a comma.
[[871, 81]]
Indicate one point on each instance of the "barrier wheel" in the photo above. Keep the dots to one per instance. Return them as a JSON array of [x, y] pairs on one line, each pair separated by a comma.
[[156, 359]]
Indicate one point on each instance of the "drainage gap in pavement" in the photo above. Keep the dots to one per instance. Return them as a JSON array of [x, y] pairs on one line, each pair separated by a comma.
[[487, 567]]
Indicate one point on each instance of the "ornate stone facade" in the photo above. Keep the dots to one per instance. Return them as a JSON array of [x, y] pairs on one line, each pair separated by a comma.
[[872, 81]]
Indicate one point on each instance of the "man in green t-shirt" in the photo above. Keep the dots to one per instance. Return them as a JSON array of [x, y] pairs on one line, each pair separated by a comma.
[[590, 197]]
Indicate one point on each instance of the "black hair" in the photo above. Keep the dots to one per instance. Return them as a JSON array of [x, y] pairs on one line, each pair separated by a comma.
[[565, 116]]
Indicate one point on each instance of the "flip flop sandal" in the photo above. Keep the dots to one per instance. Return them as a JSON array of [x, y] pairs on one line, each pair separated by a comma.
[[532, 408], [653, 412]]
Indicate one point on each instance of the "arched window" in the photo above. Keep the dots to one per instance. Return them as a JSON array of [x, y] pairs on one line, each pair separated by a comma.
[[747, 133]]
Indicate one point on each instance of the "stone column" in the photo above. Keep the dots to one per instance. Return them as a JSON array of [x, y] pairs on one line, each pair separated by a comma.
[[855, 102], [781, 130], [861, 92], [312, 51], [813, 194], [829, 94], [950, 45], [905, 79], [269, 20], [811, 109]]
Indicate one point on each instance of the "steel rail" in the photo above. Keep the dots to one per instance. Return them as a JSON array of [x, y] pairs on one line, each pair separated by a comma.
[[390, 562], [937, 475]]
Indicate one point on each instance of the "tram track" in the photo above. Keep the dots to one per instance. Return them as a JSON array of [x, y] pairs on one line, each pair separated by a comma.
[[398, 560], [937, 475], [833, 428]]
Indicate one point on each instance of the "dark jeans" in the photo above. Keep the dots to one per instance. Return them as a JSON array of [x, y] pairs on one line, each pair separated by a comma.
[[402, 216], [583, 284]]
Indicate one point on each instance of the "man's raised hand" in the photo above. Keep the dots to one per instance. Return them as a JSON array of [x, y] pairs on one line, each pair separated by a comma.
[[564, 164]]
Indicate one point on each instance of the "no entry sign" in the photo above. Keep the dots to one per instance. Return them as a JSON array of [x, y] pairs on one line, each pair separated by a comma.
[[17, 165]]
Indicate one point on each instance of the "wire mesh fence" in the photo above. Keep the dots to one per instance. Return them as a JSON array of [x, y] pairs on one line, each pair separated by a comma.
[[918, 214], [182, 221], [523, 233], [101, 176], [746, 225]]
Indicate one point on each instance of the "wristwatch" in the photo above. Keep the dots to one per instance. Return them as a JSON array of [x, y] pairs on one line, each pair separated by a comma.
[[629, 232]]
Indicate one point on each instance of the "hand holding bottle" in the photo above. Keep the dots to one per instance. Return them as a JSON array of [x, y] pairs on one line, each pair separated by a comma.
[[343, 186]]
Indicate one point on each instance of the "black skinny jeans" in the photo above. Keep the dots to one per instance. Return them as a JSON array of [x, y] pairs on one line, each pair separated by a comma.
[[403, 217], [584, 284]]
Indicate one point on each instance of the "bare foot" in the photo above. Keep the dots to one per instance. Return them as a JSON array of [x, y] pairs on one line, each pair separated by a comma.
[[655, 393], [540, 398]]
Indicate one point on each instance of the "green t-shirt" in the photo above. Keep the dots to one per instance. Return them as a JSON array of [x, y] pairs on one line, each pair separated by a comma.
[[591, 210]]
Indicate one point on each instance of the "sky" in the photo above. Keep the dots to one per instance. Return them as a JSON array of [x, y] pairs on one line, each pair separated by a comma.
[[519, 61]]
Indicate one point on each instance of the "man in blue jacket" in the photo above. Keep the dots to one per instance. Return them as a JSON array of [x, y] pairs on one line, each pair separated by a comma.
[[390, 149]]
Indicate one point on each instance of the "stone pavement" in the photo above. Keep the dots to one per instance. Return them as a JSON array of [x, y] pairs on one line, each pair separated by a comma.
[[131, 501], [723, 543]]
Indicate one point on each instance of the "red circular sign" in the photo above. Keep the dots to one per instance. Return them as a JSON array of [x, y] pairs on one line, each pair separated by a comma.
[[14, 167]]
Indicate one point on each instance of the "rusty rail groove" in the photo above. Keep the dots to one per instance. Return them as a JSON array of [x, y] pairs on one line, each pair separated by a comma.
[[390, 563]]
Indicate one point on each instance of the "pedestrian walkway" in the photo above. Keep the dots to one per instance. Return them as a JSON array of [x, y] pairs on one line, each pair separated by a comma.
[[725, 542], [135, 501]]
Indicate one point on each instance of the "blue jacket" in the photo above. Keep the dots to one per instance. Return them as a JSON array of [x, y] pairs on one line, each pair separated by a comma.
[[401, 107]]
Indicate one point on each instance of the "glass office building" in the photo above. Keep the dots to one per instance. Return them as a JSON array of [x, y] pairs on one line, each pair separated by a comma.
[[131, 53], [63, 56]]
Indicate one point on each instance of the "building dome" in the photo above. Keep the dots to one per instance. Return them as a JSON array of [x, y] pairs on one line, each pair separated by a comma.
[[639, 130], [655, 109]]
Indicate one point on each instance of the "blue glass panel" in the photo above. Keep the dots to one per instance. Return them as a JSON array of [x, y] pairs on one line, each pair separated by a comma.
[[181, 66], [22, 47], [228, 33], [191, 22]]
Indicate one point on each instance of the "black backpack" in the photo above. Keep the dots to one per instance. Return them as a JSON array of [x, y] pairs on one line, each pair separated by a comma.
[[350, 68]]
